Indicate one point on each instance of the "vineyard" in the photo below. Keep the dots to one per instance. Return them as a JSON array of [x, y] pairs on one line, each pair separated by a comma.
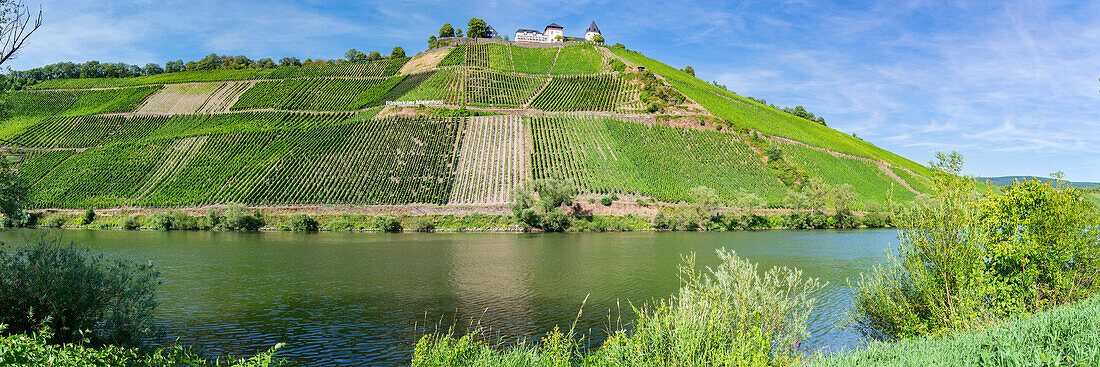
[[579, 60], [69, 132], [870, 182], [492, 161], [331, 94], [495, 88], [221, 136], [373, 69], [603, 92], [606, 155], [73, 103], [180, 98]]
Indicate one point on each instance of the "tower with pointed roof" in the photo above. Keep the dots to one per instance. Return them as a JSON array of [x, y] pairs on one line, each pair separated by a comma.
[[592, 31]]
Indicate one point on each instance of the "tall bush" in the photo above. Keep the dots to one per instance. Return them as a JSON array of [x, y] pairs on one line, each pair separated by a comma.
[[68, 290], [969, 260]]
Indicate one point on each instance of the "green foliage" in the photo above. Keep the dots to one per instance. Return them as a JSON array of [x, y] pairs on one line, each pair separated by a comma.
[[578, 60], [603, 92], [606, 200], [69, 291], [35, 349], [302, 223], [613, 156], [730, 315], [476, 28], [387, 223], [554, 193], [555, 220], [54, 221], [446, 31], [969, 261], [88, 218], [397, 53], [316, 94], [160, 221], [73, 103], [689, 70], [131, 222], [756, 116], [1064, 336], [424, 224], [237, 217]]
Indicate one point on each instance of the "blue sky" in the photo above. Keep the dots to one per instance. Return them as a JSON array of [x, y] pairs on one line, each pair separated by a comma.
[[1010, 84]]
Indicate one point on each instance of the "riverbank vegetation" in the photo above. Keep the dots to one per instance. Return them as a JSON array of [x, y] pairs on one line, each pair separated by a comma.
[[980, 278], [62, 306], [727, 313]]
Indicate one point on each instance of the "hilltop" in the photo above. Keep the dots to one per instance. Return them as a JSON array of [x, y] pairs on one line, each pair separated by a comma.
[[1007, 180], [385, 132]]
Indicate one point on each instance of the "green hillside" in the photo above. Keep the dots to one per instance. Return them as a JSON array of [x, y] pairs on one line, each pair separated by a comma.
[[319, 135]]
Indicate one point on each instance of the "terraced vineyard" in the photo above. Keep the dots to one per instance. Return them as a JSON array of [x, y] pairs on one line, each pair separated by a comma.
[[606, 155], [374, 69], [492, 161], [73, 103], [212, 137], [604, 92], [870, 182], [180, 98], [495, 88], [316, 94], [579, 60]]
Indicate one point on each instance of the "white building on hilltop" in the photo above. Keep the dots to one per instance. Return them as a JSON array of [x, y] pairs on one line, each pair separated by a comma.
[[592, 31], [548, 35]]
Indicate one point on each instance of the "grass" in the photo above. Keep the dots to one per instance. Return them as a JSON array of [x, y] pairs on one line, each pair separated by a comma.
[[752, 115], [871, 184], [578, 60], [1064, 336]]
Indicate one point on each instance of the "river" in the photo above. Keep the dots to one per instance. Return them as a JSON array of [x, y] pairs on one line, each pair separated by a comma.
[[350, 299]]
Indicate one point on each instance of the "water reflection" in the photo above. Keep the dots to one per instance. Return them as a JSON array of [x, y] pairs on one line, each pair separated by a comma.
[[354, 299]]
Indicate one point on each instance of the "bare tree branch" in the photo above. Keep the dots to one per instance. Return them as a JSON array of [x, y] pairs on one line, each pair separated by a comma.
[[15, 27]]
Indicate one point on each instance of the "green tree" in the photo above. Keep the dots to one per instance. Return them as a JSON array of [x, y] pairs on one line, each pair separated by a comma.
[[13, 190], [796, 200], [89, 217], [970, 260], [374, 56], [704, 201], [458, 32], [356, 56], [476, 28], [397, 53], [554, 193], [817, 194], [690, 70], [446, 31], [598, 39]]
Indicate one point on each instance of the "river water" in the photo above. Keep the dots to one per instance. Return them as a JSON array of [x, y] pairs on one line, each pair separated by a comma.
[[351, 299]]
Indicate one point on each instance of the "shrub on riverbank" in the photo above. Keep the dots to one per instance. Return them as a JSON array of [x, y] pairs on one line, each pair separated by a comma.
[[302, 223], [1064, 336], [70, 291], [726, 316], [35, 349], [970, 260]]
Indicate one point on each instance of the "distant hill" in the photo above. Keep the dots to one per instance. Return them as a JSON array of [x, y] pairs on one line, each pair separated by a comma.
[[381, 133], [1007, 180]]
